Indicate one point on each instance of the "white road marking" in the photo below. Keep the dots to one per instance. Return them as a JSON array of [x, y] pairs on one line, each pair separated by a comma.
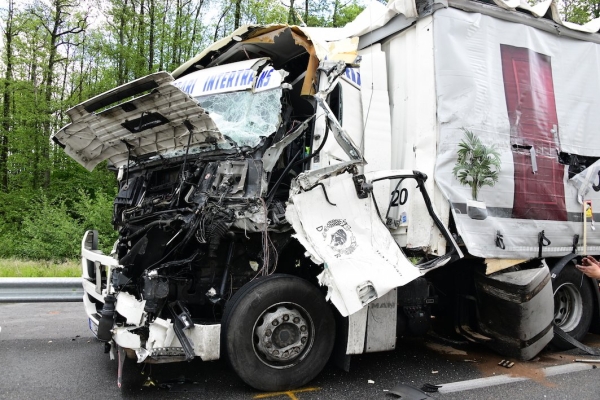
[[503, 379]]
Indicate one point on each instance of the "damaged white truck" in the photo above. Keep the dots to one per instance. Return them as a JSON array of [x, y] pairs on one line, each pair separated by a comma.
[[293, 190]]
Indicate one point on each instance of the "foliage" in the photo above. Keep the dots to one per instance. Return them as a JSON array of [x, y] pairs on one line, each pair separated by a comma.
[[58, 53], [580, 11], [52, 229], [47, 232], [477, 165]]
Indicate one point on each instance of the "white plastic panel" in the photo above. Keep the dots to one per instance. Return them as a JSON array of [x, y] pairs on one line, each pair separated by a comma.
[[411, 84]]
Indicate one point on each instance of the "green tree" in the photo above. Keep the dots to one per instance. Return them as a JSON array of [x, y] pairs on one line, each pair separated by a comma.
[[580, 11], [477, 165]]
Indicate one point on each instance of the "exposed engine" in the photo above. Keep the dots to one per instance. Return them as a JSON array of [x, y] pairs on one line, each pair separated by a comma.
[[194, 231]]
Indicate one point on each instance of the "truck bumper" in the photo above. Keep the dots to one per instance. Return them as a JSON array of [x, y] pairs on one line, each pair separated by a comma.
[[162, 344]]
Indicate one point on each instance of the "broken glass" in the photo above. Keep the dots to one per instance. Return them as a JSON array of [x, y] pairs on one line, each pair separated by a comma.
[[244, 116]]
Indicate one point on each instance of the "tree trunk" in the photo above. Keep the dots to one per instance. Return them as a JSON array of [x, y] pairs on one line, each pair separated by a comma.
[[292, 14], [237, 14], [6, 98], [335, 12], [306, 12], [140, 62], [151, 13], [121, 57]]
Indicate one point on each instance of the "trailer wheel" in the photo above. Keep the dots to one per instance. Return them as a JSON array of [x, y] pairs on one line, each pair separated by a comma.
[[573, 306], [278, 332]]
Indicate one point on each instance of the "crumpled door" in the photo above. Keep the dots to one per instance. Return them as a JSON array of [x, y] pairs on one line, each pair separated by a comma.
[[362, 260]]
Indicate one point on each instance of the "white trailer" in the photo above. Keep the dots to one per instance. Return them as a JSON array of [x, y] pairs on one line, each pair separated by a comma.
[[294, 192]]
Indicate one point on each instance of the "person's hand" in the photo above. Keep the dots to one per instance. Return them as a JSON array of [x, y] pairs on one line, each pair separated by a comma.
[[590, 267]]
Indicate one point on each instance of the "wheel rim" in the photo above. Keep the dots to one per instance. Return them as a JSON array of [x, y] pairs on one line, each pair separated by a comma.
[[568, 307], [283, 335]]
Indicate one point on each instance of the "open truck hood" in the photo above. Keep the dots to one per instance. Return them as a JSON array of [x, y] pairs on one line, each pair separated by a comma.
[[159, 122]]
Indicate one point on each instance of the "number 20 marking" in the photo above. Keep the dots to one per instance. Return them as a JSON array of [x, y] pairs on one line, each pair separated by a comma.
[[399, 197]]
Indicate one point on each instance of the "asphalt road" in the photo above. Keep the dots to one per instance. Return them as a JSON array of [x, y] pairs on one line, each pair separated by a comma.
[[47, 351]]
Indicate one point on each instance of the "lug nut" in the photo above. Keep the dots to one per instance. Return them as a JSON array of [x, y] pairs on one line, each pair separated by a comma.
[[268, 333], [275, 322], [296, 320], [286, 355], [276, 352], [303, 340], [269, 345], [286, 317], [303, 328]]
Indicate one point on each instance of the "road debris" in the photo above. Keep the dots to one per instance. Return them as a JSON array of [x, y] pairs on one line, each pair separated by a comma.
[[407, 392], [181, 384], [149, 382], [506, 364], [429, 388], [587, 360]]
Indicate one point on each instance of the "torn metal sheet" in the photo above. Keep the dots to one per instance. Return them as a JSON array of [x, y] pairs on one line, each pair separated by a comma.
[[243, 99], [161, 334], [362, 261], [588, 179], [124, 338], [162, 343], [131, 308], [274, 152], [309, 178], [343, 139], [151, 123]]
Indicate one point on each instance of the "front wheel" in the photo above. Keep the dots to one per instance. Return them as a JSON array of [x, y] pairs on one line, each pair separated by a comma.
[[278, 332], [573, 307]]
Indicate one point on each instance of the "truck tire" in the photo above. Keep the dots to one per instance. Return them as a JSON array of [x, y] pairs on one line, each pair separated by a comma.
[[573, 308], [278, 332]]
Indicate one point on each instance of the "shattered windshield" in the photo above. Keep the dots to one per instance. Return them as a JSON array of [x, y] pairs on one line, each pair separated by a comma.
[[244, 116]]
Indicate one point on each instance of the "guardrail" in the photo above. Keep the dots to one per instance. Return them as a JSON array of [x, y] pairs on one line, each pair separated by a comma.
[[40, 290]]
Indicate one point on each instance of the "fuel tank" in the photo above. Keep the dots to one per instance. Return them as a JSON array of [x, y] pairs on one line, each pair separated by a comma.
[[516, 310]]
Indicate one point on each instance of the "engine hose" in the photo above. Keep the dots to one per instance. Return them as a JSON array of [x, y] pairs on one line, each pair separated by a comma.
[[294, 163], [278, 182], [146, 229], [316, 152]]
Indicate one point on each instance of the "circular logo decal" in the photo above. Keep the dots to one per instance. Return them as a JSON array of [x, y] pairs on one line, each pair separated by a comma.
[[338, 235]]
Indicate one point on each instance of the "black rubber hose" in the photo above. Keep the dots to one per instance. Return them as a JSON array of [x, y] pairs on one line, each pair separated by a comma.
[[146, 229], [283, 174]]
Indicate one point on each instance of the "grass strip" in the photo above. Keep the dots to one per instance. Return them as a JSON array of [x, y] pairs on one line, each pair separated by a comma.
[[13, 268]]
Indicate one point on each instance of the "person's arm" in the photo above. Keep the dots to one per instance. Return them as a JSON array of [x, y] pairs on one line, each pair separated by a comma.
[[590, 267]]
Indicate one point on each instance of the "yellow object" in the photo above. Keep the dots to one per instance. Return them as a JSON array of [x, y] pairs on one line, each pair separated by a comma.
[[588, 209]]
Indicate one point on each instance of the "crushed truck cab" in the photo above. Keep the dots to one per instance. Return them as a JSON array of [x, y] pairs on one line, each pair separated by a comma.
[[290, 190]]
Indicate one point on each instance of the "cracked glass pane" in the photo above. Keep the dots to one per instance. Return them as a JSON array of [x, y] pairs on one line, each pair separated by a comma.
[[244, 117]]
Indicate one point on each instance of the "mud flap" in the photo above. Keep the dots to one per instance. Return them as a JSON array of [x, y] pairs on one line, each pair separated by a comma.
[[362, 260], [568, 338], [121, 360]]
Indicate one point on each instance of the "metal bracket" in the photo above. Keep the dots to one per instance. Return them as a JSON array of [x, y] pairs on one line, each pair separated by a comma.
[[575, 242], [500, 240], [362, 187], [533, 160], [597, 187], [180, 322], [543, 241]]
